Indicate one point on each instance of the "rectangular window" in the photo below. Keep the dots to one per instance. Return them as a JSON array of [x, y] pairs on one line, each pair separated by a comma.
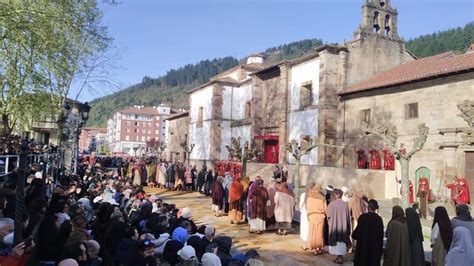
[[306, 94], [135, 130], [411, 111], [200, 117], [149, 124], [143, 130], [364, 116], [149, 131], [148, 138], [128, 123], [128, 130], [136, 138], [127, 137], [143, 138], [157, 131]]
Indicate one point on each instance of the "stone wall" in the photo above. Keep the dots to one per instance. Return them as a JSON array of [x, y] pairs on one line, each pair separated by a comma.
[[376, 184], [437, 100], [177, 133]]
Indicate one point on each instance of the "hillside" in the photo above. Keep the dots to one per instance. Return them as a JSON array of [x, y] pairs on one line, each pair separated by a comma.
[[449, 40], [172, 88]]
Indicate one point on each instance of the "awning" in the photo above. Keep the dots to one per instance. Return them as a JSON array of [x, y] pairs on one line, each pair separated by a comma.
[[267, 137]]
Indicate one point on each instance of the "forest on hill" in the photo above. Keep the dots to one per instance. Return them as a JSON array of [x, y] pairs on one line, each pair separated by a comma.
[[172, 88]]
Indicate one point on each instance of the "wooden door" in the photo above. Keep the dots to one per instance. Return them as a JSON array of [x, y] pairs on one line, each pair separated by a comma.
[[421, 172], [271, 151]]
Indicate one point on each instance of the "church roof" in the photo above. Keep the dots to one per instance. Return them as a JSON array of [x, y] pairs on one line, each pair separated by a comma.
[[418, 70]]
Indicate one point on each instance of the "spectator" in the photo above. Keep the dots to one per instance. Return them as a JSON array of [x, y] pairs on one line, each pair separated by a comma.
[[461, 251], [463, 218]]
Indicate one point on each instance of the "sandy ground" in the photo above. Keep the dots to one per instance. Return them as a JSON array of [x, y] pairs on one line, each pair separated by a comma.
[[274, 249]]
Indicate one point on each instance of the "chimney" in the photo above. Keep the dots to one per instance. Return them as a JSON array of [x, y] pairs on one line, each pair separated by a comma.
[[470, 49]]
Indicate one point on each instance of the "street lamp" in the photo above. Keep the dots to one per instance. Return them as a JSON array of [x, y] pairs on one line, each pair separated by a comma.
[[83, 110]]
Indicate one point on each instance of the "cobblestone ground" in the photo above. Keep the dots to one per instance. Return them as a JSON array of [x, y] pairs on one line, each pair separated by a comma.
[[274, 249]]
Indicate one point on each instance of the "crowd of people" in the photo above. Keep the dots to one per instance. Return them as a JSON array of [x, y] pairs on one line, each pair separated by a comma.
[[103, 216]]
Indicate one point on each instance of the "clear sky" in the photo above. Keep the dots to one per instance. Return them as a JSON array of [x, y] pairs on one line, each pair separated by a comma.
[[153, 36]]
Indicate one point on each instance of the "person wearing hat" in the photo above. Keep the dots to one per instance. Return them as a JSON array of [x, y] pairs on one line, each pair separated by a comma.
[[187, 256], [369, 235]]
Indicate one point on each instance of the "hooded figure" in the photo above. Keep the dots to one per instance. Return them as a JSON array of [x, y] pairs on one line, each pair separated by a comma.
[[224, 243], [415, 235], [397, 250], [461, 252]]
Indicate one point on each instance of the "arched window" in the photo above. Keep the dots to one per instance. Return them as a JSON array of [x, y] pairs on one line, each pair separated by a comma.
[[387, 24], [382, 2], [375, 22]]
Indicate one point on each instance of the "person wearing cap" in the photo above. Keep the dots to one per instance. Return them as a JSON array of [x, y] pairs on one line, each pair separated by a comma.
[[147, 252], [210, 259], [187, 256], [369, 235], [92, 251]]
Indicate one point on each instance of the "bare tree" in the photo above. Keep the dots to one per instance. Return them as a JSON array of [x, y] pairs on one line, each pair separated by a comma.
[[389, 136], [187, 149], [248, 153], [297, 152], [467, 113]]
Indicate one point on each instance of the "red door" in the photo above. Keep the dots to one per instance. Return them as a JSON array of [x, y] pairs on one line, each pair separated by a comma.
[[271, 151]]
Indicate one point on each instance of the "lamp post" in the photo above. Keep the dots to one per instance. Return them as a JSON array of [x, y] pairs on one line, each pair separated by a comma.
[[84, 115], [20, 194]]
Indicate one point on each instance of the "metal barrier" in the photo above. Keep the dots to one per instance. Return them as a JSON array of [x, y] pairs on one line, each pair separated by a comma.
[[6, 160]]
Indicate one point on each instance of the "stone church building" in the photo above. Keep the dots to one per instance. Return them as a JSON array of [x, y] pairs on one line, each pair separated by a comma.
[[322, 96]]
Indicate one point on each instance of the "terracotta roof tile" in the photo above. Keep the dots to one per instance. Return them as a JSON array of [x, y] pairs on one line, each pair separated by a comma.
[[428, 67]]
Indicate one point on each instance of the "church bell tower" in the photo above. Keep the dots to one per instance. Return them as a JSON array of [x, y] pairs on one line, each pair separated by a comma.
[[378, 18]]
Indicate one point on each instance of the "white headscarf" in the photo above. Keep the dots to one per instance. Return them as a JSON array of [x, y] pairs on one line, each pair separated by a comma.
[[210, 259]]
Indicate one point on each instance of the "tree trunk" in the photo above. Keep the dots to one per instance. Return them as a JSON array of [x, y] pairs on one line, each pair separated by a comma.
[[244, 168], [405, 163], [296, 179]]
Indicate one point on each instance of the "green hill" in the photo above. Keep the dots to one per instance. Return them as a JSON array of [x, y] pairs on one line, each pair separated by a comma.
[[442, 41], [172, 88]]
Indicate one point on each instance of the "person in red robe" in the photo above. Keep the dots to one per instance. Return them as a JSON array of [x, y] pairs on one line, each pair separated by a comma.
[[411, 199], [374, 159], [423, 194], [454, 190], [388, 159], [463, 191], [361, 159]]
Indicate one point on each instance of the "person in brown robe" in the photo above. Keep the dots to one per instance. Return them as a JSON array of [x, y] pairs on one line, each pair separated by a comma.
[[339, 221], [397, 250], [357, 207], [236, 204], [369, 236], [316, 208], [259, 198], [217, 196]]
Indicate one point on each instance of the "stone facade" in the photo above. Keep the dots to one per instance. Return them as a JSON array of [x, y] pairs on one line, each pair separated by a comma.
[[176, 135], [437, 99]]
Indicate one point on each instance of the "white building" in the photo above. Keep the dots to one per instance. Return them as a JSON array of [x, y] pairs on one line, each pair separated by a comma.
[[219, 109]]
